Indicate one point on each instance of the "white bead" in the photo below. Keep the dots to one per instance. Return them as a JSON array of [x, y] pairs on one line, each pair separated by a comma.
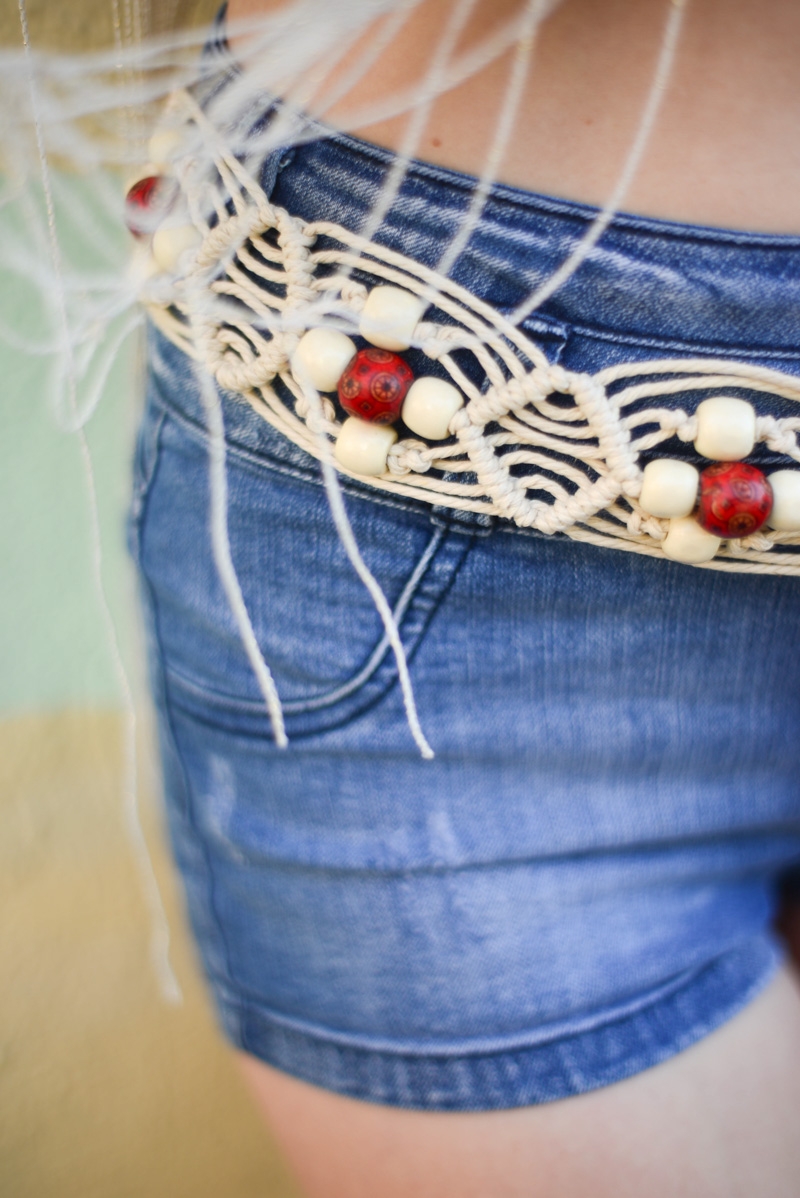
[[687, 542], [143, 265], [785, 514], [669, 488], [429, 407], [390, 316], [363, 447], [321, 357], [171, 242], [144, 172], [163, 148], [726, 428]]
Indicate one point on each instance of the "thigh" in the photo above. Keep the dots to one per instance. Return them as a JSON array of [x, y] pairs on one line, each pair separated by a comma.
[[716, 1121]]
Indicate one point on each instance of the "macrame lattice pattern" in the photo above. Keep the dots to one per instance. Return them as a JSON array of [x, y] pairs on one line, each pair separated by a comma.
[[547, 448]]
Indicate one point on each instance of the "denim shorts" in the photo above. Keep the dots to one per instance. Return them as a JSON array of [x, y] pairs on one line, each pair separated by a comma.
[[582, 882]]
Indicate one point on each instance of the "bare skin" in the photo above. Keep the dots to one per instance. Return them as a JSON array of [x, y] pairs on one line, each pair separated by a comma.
[[719, 1120], [724, 151]]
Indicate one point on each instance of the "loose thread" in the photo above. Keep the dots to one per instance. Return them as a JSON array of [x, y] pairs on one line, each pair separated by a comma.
[[160, 933], [364, 61], [221, 548], [468, 64], [604, 218], [535, 12], [399, 168], [350, 545]]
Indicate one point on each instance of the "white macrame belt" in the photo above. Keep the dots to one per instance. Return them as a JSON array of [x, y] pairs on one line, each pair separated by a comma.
[[244, 334]]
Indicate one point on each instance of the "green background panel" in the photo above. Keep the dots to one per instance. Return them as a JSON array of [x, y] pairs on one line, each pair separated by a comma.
[[54, 647]]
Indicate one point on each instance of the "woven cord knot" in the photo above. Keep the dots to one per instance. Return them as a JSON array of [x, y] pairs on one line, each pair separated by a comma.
[[354, 294], [638, 523], [778, 437], [321, 417], [681, 423], [614, 438], [406, 457]]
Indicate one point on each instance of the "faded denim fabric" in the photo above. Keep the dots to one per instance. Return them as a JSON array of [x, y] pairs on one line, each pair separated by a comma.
[[581, 883]]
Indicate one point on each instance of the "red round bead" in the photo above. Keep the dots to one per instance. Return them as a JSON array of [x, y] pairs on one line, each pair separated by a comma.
[[147, 202], [735, 499], [374, 386]]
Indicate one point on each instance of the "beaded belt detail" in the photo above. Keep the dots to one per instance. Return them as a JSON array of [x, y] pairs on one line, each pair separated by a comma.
[[495, 428]]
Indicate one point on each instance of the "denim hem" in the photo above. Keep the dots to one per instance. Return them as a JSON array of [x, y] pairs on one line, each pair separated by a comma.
[[561, 1068]]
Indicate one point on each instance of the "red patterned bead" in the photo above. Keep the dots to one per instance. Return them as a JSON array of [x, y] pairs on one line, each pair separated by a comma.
[[735, 499], [146, 203], [374, 386]]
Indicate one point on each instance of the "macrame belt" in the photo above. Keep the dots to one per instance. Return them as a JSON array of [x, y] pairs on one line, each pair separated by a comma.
[[547, 448]]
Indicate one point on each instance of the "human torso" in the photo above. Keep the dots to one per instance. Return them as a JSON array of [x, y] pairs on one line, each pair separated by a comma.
[[723, 151]]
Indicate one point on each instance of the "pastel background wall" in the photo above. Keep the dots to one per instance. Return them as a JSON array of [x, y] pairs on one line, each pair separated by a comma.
[[105, 1091]]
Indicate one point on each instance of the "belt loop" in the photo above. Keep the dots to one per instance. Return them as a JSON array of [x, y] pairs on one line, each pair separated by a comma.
[[471, 524]]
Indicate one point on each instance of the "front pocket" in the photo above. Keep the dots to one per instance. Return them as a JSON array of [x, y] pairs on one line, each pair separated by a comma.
[[316, 625]]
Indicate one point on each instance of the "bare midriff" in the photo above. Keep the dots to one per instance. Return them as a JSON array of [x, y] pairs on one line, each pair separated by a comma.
[[724, 151]]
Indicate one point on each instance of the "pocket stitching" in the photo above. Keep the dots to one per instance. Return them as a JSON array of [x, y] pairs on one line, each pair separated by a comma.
[[368, 692]]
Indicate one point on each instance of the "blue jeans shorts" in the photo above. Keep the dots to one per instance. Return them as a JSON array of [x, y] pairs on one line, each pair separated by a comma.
[[582, 882]]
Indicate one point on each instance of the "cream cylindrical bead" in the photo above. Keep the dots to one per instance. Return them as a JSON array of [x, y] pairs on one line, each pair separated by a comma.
[[429, 407], [363, 447], [321, 357], [785, 514], [163, 147], [687, 542], [669, 488], [143, 265], [726, 428], [389, 317], [171, 242]]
